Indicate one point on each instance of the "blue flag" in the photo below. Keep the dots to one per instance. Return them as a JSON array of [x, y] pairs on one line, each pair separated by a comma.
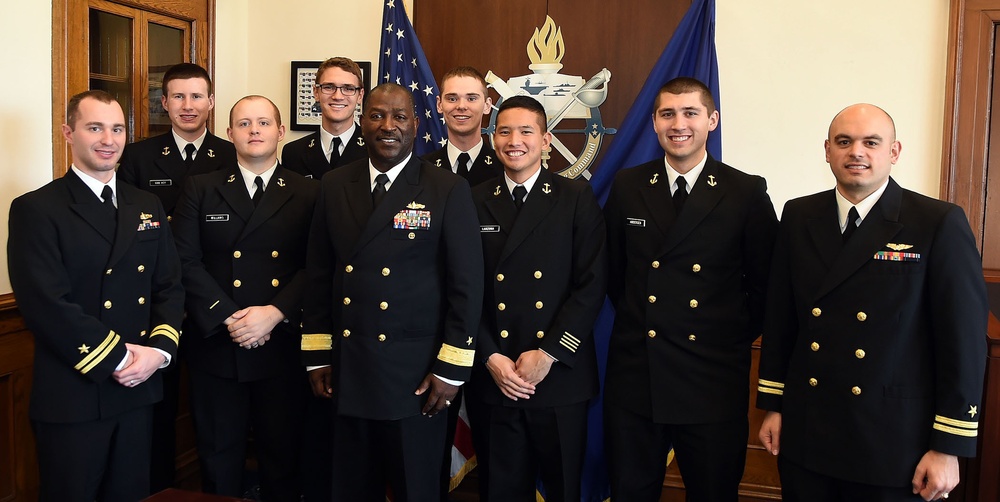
[[690, 53], [404, 63]]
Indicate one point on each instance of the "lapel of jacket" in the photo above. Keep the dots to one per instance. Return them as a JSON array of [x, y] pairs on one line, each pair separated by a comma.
[[168, 157], [317, 163], [655, 195], [128, 224], [878, 228], [540, 201], [89, 206], [501, 206], [404, 189], [356, 147], [209, 157], [824, 229], [234, 192], [487, 158], [275, 195], [705, 194]]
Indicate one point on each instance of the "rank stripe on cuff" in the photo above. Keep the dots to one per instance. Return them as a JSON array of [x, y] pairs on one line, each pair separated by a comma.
[[956, 431], [97, 355], [456, 356], [953, 425], [569, 341], [770, 387], [317, 341], [167, 331]]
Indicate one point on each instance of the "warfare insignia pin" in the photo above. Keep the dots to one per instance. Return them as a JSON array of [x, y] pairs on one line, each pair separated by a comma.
[[898, 247], [415, 205], [145, 216]]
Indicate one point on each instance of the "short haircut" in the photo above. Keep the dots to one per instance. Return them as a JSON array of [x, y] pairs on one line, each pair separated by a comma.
[[277, 114], [465, 71], [345, 64], [392, 87], [684, 85], [184, 71], [73, 107], [528, 103]]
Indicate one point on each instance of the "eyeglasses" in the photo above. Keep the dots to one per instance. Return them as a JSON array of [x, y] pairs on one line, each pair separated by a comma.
[[346, 90]]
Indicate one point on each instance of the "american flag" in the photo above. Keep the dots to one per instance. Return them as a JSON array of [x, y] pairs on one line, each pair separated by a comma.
[[404, 63]]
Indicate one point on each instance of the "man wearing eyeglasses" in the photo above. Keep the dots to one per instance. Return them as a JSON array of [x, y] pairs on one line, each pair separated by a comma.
[[338, 90]]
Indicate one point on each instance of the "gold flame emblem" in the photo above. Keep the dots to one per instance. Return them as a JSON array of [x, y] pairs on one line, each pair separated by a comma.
[[546, 46]]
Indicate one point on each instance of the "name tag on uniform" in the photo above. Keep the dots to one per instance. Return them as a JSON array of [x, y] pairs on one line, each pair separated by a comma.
[[489, 229], [216, 217], [161, 183], [635, 222]]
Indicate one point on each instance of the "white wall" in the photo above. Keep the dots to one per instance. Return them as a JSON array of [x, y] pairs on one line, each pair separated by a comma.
[[787, 67], [25, 108]]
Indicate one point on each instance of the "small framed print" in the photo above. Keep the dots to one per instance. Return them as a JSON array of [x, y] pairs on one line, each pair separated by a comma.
[[306, 114]]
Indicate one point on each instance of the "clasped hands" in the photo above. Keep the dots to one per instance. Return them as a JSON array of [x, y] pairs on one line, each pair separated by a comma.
[[517, 380], [251, 327]]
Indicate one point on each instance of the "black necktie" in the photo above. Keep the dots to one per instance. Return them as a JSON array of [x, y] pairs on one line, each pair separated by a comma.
[[108, 196], [519, 193], [189, 155], [462, 165], [681, 194], [379, 192], [335, 152], [259, 193], [852, 218]]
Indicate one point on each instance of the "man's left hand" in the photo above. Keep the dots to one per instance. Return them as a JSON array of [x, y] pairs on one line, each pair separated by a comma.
[[144, 361], [936, 475], [533, 366], [251, 327], [440, 395]]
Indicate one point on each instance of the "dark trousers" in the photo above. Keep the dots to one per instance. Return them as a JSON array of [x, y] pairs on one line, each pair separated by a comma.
[[531, 443], [479, 426], [799, 484], [163, 457], [449, 442], [404, 454], [106, 460], [710, 457], [317, 449], [225, 410]]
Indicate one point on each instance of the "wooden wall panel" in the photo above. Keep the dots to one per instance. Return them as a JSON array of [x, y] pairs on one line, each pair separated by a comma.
[[18, 463], [493, 35]]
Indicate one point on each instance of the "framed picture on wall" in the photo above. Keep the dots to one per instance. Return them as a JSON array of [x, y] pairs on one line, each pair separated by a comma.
[[306, 114]]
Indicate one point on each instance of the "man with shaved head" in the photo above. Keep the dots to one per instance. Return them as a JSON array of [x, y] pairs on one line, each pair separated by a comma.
[[873, 352]]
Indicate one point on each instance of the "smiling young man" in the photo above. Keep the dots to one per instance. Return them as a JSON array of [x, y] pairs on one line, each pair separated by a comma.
[[338, 89], [873, 354], [396, 284], [97, 278], [546, 274], [463, 103], [241, 234], [690, 242]]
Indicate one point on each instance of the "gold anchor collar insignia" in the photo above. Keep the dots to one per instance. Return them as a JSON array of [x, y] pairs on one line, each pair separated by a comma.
[[655, 179], [211, 154], [437, 163], [711, 181], [281, 182], [361, 141], [546, 188], [488, 160], [312, 143], [166, 150], [898, 247], [497, 191], [232, 178], [415, 205]]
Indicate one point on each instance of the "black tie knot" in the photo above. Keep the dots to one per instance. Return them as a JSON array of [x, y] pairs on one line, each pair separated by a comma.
[[259, 192], [852, 223], [108, 196], [335, 151], [462, 165], [189, 151], [378, 193], [681, 194], [519, 193]]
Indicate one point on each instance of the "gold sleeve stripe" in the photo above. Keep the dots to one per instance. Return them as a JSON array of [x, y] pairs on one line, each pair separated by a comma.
[[317, 341], [575, 340], [98, 354], [569, 346], [958, 432], [768, 383], [956, 423], [456, 356], [167, 331], [769, 390]]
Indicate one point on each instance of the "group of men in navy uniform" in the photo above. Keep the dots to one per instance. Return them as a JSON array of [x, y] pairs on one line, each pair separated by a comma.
[[869, 297]]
